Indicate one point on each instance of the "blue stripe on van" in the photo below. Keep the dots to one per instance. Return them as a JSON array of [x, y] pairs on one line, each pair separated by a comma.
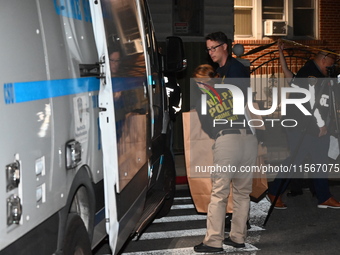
[[21, 92], [127, 83], [150, 81]]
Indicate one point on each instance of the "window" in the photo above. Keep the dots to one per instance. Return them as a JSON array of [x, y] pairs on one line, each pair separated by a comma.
[[243, 16], [303, 18], [272, 9], [300, 16]]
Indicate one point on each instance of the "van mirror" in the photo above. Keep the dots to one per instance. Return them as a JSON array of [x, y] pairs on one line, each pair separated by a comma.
[[174, 57]]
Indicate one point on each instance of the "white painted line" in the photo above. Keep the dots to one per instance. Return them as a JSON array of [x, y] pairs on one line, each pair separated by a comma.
[[190, 251], [182, 233], [181, 251], [176, 207], [173, 234], [182, 198], [257, 212], [180, 218]]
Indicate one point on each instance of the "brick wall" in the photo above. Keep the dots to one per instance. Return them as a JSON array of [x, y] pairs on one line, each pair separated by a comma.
[[330, 23], [329, 32]]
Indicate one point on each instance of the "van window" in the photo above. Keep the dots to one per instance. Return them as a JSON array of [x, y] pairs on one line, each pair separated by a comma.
[[123, 38], [128, 76]]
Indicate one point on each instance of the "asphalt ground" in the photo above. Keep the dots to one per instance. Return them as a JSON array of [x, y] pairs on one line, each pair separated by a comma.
[[302, 228]]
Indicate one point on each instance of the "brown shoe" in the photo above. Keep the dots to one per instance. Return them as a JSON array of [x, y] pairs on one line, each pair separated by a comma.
[[279, 203], [330, 203]]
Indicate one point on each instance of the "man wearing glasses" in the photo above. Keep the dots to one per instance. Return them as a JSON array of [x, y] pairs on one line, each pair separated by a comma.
[[235, 146], [219, 50]]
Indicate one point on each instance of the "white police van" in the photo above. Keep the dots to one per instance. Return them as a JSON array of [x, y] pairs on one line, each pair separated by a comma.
[[84, 146]]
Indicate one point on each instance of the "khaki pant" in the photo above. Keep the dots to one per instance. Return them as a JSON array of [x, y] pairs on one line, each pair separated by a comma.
[[230, 200], [232, 152]]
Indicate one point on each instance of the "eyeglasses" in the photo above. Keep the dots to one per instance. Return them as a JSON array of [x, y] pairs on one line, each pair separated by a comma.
[[332, 56], [213, 49]]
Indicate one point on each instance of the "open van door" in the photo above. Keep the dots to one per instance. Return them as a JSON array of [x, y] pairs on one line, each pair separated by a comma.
[[138, 166], [107, 125], [125, 114]]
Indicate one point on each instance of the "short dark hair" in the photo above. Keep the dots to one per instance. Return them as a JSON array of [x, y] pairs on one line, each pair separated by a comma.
[[113, 48], [218, 37], [221, 38]]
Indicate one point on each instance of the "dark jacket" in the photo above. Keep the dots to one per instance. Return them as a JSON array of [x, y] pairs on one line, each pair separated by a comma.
[[233, 72], [309, 77]]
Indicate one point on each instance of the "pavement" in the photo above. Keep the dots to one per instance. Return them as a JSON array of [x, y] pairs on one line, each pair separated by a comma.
[[302, 228]]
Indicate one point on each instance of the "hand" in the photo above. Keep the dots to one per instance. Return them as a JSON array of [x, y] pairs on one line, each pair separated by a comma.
[[323, 131], [280, 45]]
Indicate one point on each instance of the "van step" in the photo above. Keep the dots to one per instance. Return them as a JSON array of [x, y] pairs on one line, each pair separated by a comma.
[[153, 203]]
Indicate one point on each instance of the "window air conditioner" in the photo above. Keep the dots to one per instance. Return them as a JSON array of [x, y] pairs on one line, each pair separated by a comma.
[[275, 27], [134, 46]]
